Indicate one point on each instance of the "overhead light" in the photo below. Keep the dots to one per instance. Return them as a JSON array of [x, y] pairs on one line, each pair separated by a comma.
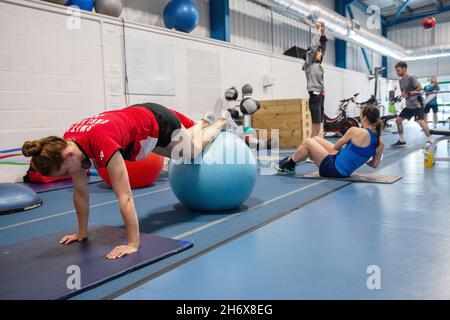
[[374, 46]]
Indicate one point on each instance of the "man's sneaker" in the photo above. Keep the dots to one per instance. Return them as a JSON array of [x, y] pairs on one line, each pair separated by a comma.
[[285, 166], [231, 125], [398, 144], [309, 160], [209, 117]]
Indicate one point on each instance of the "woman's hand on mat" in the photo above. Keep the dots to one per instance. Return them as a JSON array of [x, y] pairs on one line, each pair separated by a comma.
[[120, 251], [72, 237]]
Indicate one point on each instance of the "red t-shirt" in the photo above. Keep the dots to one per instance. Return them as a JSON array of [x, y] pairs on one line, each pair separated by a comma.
[[132, 130]]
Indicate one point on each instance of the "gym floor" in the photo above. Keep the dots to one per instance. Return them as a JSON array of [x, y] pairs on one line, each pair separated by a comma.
[[293, 239]]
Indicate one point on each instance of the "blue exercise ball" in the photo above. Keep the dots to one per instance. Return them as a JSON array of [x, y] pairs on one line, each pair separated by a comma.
[[181, 15], [221, 178], [87, 5]]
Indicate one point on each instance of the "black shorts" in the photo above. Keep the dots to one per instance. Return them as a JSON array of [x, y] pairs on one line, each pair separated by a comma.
[[417, 113], [167, 122], [316, 107], [328, 169], [433, 107]]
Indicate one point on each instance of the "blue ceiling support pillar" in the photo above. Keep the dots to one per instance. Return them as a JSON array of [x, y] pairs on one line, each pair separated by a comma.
[[384, 59], [341, 45], [219, 15], [341, 53], [400, 11]]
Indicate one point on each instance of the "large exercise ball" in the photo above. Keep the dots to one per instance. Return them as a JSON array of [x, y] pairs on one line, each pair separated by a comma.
[[87, 5], [222, 178], [141, 173], [109, 7], [181, 15]]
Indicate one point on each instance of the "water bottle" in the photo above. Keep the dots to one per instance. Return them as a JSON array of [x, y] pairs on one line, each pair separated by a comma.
[[428, 155]]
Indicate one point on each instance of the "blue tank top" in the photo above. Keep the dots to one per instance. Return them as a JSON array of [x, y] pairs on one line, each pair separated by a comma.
[[352, 157], [428, 89]]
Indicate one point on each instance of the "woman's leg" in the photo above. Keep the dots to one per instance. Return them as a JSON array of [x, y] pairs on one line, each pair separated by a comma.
[[310, 148], [208, 119], [188, 143], [435, 118], [198, 127], [326, 144]]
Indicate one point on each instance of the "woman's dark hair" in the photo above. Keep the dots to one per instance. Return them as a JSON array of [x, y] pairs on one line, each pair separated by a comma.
[[46, 153], [372, 113]]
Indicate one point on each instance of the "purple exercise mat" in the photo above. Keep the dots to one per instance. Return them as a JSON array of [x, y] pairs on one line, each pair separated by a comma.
[[41, 268]]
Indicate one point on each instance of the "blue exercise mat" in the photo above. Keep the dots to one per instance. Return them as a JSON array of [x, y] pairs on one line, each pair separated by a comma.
[[41, 268]]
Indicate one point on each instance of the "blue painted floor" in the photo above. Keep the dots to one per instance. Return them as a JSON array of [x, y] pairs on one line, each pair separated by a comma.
[[323, 250], [319, 251]]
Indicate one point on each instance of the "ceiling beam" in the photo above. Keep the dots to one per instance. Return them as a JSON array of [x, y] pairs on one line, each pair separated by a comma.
[[422, 15], [439, 3], [399, 3], [400, 11]]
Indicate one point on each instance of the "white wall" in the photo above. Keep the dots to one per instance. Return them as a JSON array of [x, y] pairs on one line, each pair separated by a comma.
[[51, 76]]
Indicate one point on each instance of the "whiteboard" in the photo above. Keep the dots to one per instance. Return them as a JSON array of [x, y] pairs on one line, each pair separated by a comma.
[[149, 67]]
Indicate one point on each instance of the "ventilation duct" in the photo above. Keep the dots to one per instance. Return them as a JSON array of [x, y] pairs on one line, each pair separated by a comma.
[[343, 28]]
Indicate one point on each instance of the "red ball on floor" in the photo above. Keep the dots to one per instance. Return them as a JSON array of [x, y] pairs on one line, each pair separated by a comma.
[[141, 173]]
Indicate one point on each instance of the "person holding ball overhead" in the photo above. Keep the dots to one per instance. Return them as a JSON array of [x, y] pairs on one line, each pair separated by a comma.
[[110, 138], [315, 77]]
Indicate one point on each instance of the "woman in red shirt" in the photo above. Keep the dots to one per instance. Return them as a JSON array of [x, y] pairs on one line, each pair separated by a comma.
[[110, 138]]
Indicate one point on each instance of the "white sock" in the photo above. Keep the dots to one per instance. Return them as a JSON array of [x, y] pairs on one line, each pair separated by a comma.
[[400, 137], [430, 139]]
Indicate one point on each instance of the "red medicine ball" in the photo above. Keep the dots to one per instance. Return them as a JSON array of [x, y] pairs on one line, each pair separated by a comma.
[[429, 22], [141, 173]]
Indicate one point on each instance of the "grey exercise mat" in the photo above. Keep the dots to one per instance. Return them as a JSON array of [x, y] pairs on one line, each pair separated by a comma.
[[282, 151], [41, 268], [358, 177]]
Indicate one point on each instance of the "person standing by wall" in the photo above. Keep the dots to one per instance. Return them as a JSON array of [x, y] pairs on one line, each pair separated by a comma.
[[315, 77]]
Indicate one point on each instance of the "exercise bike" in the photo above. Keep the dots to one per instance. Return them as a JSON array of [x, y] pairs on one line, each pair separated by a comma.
[[341, 123], [384, 118], [374, 75]]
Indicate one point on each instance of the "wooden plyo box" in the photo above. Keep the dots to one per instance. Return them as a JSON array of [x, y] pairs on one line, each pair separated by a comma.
[[290, 116]]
